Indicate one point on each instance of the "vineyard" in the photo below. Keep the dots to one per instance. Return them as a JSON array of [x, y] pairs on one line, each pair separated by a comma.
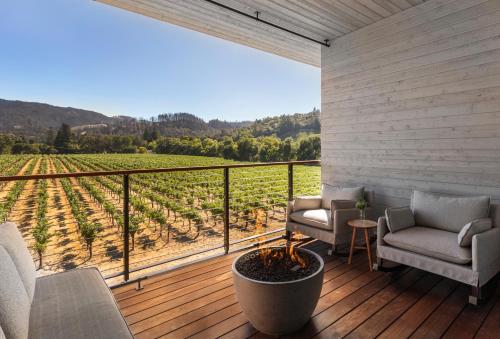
[[78, 222]]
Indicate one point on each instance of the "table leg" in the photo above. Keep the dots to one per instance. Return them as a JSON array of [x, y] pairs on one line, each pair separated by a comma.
[[353, 240], [367, 240]]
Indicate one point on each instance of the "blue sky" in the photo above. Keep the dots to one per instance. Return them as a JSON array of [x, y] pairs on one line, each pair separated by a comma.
[[85, 54]]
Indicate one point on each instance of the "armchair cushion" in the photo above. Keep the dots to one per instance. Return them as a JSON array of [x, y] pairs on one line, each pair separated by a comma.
[[399, 218], [430, 242], [448, 213], [470, 229], [307, 203], [14, 300], [329, 193], [319, 218]]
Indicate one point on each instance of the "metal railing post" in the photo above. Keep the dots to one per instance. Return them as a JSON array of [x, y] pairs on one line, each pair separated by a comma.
[[226, 210], [288, 234], [126, 233]]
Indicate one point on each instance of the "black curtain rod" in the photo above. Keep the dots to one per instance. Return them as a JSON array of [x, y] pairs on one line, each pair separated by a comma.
[[256, 18]]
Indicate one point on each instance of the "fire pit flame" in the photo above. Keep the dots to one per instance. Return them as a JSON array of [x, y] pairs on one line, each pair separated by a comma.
[[295, 257], [268, 256]]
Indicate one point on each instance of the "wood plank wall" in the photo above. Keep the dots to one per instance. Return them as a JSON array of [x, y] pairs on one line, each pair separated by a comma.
[[413, 102]]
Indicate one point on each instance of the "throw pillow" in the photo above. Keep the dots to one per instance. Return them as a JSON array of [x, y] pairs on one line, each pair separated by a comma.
[[342, 205], [399, 218], [307, 203], [329, 193], [471, 228]]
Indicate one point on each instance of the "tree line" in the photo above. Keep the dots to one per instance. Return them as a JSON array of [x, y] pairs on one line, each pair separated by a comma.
[[245, 147], [241, 146]]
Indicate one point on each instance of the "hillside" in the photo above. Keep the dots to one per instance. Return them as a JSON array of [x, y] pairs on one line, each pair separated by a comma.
[[33, 120]]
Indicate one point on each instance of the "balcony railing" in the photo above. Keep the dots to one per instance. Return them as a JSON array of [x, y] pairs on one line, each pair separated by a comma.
[[205, 210]]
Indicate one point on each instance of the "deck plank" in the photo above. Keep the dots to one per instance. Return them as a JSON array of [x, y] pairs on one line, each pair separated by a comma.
[[439, 321], [392, 311], [470, 319], [199, 301], [351, 321]]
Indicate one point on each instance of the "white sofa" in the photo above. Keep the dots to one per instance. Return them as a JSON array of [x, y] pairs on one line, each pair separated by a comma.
[[432, 243], [314, 217], [73, 304]]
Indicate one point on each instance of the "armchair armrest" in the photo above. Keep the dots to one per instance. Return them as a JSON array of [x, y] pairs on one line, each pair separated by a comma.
[[486, 252], [382, 230], [342, 216]]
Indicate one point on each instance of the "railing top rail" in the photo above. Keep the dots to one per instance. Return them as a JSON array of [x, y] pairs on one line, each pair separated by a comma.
[[152, 170]]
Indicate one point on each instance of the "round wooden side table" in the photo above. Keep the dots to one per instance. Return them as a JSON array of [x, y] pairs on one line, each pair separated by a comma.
[[362, 224]]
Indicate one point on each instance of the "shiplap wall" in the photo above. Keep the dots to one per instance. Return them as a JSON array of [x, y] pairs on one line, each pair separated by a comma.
[[413, 102]]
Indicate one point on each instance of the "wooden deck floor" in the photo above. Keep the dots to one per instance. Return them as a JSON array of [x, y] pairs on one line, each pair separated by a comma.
[[198, 301]]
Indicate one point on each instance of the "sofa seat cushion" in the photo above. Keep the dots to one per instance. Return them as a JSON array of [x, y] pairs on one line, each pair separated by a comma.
[[320, 218], [432, 243], [75, 304]]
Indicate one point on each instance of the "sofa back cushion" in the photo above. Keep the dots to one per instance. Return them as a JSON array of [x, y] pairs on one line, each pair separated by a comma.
[[447, 213], [329, 193], [12, 241], [14, 301]]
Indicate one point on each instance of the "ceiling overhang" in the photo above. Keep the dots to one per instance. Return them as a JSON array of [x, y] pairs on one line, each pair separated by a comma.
[[318, 20]]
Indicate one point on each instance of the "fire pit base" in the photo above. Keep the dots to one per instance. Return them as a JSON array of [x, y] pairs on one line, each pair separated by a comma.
[[279, 307]]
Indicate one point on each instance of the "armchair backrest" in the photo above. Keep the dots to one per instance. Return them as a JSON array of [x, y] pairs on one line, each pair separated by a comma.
[[369, 197], [495, 214], [445, 212]]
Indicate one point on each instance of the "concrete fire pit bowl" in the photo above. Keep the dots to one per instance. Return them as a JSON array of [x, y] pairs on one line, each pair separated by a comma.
[[278, 308]]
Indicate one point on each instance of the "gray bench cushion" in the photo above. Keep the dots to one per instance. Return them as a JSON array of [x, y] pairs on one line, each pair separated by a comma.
[[12, 241], [432, 243], [14, 301], [320, 218], [75, 304]]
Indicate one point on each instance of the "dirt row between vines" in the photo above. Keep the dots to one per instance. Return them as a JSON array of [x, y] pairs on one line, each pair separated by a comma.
[[6, 187], [66, 248]]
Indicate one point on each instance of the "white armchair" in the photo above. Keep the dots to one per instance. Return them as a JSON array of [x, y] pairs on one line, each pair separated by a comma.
[[325, 217]]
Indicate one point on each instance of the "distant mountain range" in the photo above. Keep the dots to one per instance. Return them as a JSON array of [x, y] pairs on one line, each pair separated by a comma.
[[33, 120]]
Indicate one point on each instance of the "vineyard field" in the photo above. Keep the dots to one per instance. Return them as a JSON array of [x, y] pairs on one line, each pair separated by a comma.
[[78, 222]]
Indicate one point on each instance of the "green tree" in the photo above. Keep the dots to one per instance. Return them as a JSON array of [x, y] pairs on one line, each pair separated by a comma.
[[248, 148], [229, 148], [309, 148], [270, 149], [288, 149], [63, 137]]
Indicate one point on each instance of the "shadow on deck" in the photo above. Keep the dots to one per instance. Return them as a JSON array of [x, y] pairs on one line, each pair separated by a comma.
[[198, 301]]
